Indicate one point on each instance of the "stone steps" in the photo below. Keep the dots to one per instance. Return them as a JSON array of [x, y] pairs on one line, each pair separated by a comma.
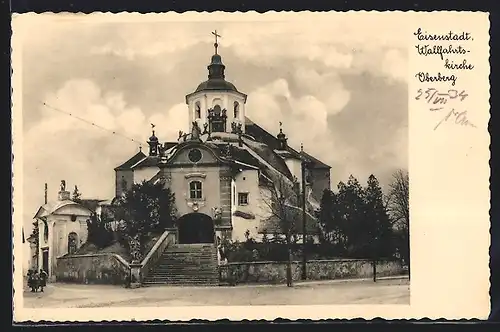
[[193, 264]]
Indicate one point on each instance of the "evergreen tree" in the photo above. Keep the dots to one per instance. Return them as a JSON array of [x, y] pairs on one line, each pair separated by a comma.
[[353, 212], [146, 207], [378, 223], [332, 220], [99, 233], [325, 216], [76, 197]]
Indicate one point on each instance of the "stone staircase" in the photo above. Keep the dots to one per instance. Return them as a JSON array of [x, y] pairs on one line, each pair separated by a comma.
[[186, 264]]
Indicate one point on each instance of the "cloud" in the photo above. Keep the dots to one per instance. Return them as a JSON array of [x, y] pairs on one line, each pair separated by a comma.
[[328, 87], [338, 88], [63, 147], [304, 118], [337, 43], [148, 41]]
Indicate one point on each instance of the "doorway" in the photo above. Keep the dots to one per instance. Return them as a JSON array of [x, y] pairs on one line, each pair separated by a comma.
[[45, 260], [195, 228]]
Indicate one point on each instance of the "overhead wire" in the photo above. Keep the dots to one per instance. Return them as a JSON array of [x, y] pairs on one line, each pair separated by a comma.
[[113, 132]]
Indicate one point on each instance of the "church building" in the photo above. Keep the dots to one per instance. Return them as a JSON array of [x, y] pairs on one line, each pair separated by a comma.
[[62, 229], [224, 170]]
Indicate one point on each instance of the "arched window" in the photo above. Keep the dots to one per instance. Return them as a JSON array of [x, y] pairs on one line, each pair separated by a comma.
[[197, 110], [195, 190], [72, 242], [236, 110], [216, 101]]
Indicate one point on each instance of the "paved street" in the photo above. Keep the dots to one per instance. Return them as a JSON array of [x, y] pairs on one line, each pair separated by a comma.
[[393, 291]]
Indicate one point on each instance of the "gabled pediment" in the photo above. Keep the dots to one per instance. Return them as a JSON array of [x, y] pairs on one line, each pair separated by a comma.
[[194, 153]]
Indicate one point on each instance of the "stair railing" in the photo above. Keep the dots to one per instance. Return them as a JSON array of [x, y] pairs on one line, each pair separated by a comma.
[[166, 239]]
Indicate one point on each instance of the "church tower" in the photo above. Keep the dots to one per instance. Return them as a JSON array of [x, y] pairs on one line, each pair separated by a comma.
[[282, 140], [216, 102], [153, 143]]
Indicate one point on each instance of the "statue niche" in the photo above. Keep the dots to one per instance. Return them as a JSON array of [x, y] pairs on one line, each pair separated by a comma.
[[217, 119]]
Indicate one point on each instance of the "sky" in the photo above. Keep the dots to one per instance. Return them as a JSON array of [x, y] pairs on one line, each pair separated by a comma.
[[339, 86]]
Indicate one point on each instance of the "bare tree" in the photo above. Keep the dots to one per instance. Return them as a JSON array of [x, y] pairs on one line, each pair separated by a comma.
[[399, 211], [398, 200], [279, 197]]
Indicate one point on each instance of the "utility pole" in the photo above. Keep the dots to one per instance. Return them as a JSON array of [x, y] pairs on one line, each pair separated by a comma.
[[304, 217]]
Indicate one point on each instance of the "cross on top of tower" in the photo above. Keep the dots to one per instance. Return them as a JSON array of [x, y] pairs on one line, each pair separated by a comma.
[[216, 45]]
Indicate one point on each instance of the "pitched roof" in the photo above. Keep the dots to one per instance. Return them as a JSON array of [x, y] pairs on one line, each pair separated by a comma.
[[294, 214], [148, 161], [267, 157], [239, 155], [91, 203], [261, 135], [51, 207], [316, 163], [132, 161]]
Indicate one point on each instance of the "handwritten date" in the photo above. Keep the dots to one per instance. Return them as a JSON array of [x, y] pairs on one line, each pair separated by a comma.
[[434, 97]]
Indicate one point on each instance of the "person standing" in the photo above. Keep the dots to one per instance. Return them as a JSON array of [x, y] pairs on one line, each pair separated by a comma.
[[31, 280], [42, 279]]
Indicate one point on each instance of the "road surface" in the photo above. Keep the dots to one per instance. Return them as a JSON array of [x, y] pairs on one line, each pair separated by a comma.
[[391, 291]]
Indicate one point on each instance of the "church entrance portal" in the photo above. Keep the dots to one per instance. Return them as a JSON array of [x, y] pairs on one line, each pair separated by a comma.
[[195, 228]]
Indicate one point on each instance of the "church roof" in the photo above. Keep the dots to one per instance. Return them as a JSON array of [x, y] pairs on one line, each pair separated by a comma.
[[149, 161], [237, 154], [266, 154], [216, 79], [216, 85], [261, 135], [132, 161], [52, 207]]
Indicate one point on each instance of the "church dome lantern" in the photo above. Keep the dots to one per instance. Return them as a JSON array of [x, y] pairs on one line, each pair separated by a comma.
[[282, 139], [216, 103], [153, 143], [216, 76]]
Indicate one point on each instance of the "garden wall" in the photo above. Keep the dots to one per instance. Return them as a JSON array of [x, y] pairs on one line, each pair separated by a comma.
[[275, 272], [105, 268]]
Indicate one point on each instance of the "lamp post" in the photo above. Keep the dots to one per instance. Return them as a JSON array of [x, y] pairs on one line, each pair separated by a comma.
[[304, 217]]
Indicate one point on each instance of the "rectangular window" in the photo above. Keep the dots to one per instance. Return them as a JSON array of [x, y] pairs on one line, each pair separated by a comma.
[[195, 190], [242, 198]]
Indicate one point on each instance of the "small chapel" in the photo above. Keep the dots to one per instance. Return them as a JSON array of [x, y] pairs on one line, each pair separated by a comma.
[[221, 171]]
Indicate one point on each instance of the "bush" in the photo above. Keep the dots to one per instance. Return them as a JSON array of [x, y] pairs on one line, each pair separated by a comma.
[[250, 250]]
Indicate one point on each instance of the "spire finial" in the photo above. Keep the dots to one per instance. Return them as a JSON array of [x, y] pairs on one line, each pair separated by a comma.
[[281, 127], [301, 147], [140, 148], [153, 128], [216, 45]]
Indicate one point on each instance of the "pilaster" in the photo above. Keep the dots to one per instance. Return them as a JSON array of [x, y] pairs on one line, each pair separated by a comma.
[[225, 197]]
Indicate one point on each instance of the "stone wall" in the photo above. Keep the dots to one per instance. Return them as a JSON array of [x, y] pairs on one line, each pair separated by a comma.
[[275, 272], [104, 268]]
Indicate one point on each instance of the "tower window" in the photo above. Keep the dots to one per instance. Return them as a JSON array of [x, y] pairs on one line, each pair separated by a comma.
[[236, 110], [195, 190], [197, 110], [242, 198]]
